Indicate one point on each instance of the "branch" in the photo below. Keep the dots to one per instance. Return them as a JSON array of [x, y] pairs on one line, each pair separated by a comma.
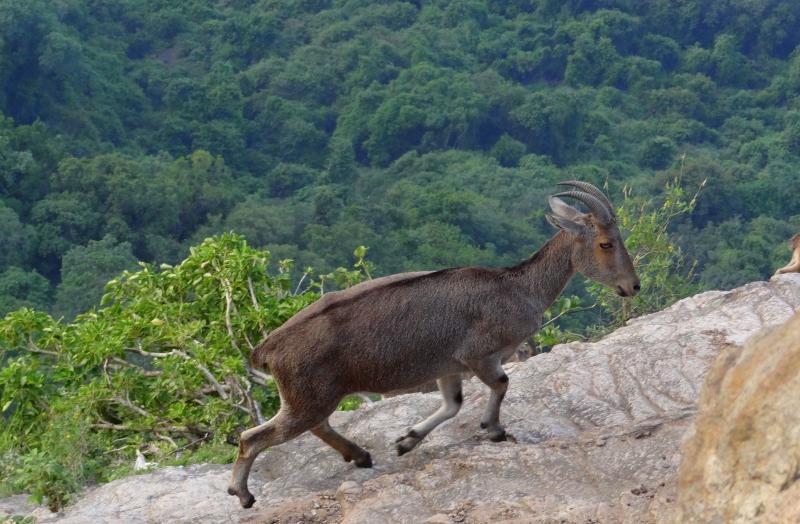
[[156, 354], [192, 443], [576, 310], [228, 306], [297, 289], [33, 348], [210, 377], [140, 429], [253, 409], [255, 305], [166, 438], [130, 405], [204, 370], [259, 377], [143, 371]]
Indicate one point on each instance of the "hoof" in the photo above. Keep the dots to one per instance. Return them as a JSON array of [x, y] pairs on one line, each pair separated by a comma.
[[406, 444], [246, 500], [498, 437], [364, 462], [411, 434]]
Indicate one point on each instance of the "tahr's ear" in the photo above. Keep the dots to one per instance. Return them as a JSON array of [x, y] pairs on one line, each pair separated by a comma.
[[575, 228], [565, 217], [562, 209]]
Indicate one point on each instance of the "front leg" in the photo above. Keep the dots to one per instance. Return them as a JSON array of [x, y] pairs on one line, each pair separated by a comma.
[[491, 373], [450, 388]]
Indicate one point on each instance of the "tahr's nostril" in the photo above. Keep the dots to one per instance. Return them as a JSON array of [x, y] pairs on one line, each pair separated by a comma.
[[637, 287]]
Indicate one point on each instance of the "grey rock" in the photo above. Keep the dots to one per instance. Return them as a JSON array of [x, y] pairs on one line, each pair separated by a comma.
[[597, 426]]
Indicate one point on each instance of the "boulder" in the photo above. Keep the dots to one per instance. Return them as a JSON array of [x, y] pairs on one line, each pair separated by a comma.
[[742, 461], [596, 432]]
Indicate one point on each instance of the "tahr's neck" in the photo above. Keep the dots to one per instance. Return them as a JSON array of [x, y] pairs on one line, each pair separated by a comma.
[[546, 273]]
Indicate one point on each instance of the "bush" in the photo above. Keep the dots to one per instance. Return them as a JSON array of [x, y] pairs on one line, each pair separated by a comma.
[[160, 367]]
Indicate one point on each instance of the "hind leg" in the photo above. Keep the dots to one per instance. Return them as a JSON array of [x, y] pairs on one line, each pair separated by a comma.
[[280, 428], [450, 388], [348, 450], [491, 373]]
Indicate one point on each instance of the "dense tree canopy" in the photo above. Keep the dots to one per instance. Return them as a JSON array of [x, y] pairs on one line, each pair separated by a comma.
[[430, 131]]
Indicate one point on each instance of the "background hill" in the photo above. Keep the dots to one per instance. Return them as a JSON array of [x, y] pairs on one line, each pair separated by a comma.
[[429, 131]]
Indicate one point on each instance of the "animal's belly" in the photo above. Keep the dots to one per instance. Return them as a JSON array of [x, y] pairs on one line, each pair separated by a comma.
[[383, 379]]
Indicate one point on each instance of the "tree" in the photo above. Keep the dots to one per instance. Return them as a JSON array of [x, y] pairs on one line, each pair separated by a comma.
[[20, 288], [508, 151], [85, 271], [16, 239], [657, 153]]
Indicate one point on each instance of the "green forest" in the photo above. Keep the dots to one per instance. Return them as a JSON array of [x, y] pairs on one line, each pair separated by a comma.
[[177, 178]]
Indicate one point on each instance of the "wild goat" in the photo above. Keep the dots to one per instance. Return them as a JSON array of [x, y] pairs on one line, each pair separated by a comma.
[[794, 264], [403, 330]]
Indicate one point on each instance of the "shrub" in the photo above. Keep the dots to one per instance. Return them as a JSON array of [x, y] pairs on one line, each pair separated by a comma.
[[160, 367]]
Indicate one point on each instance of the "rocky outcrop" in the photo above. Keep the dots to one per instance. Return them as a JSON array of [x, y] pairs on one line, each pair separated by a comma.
[[597, 429], [742, 463]]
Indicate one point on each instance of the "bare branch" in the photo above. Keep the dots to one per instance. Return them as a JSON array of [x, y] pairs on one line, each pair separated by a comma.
[[167, 439], [33, 348], [247, 339], [140, 429], [259, 377], [255, 305], [176, 352], [109, 425], [155, 354], [192, 443], [297, 289], [253, 408], [143, 371], [228, 307], [576, 310], [130, 405], [204, 370]]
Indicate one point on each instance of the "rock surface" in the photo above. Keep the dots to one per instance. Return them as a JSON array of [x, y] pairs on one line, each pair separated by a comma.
[[598, 428], [742, 463]]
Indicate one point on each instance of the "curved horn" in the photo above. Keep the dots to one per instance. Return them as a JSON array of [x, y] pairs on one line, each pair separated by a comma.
[[592, 190], [594, 204]]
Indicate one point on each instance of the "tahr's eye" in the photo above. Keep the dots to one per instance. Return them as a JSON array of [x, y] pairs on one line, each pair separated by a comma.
[[605, 245]]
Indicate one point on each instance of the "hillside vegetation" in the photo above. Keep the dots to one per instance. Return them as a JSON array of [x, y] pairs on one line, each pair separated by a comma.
[[431, 132]]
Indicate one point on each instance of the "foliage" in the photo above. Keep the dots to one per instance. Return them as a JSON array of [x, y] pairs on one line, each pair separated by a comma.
[[663, 270], [316, 127], [85, 271], [161, 366], [551, 332]]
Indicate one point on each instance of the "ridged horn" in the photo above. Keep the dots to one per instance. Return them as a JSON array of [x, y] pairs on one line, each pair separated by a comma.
[[586, 187], [595, 205]]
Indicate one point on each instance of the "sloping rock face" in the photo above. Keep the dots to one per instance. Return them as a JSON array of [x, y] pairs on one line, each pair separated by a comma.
[[598, 429], [742, 464]]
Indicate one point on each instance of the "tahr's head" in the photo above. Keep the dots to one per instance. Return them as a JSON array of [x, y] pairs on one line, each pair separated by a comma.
[[598, 251]]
